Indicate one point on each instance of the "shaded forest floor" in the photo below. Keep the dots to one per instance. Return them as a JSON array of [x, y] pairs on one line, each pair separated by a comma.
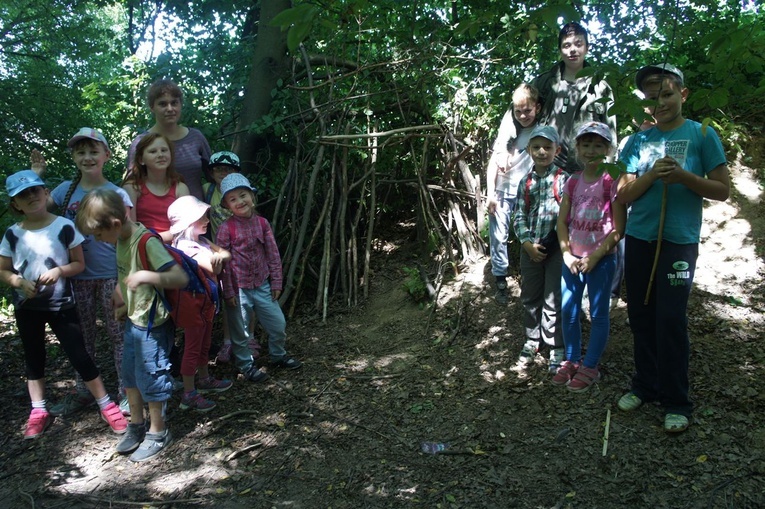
[[345, 431]]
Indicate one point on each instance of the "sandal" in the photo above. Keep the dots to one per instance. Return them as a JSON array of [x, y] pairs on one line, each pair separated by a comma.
[[583, 379], [675, 423]]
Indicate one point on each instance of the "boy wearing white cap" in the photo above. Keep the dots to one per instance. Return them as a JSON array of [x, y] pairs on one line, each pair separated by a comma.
[[252, 281], [536, 215], [671, 168]]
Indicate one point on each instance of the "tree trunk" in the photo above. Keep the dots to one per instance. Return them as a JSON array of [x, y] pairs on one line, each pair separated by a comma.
[[269, 63]]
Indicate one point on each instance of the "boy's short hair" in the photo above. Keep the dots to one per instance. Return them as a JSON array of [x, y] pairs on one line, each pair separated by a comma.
[[657, 73], [98, 210], [89, 134], [526, 91], [572, 28], [160, 87], [545, 131]]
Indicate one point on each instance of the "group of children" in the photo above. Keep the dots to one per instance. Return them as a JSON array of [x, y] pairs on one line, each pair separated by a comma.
[[569, 226], [108, 250]]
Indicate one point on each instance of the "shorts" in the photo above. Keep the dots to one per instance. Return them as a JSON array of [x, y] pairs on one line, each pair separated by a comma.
[[146, 360]]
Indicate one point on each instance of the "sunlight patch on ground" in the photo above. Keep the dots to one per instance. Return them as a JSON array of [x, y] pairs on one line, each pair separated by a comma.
[[748, 186], [717, 270]]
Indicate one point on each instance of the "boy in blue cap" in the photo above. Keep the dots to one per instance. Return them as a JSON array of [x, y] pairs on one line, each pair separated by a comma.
[[536, 215]]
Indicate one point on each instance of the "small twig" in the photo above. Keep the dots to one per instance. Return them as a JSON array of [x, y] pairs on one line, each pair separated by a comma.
[[372, 377], [605, 432], [241, 451], [31, 499], [151, 503], [234, 414]]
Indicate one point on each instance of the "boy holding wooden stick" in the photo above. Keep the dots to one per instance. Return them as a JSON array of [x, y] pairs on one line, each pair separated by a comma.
[[671, 168]]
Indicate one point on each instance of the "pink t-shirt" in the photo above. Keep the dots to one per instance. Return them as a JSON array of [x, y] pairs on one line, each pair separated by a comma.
[[591, 217]]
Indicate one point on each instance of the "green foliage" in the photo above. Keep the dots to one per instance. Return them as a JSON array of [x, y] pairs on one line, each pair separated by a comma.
[[414, 285]]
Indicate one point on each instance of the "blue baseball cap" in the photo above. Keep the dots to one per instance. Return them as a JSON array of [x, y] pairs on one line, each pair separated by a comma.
[[235, 181], [21, 181], [598, 128], [545, 131]]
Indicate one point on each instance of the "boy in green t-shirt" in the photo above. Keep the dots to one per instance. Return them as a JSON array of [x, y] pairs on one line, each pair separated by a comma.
[[149, 331]]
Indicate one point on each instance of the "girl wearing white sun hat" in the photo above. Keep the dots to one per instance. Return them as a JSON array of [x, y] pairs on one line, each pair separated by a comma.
[[188, 224]]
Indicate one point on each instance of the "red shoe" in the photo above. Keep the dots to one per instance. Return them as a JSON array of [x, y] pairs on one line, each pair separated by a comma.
[[39, 421], [583, 379], [113, 416], [565, 373]]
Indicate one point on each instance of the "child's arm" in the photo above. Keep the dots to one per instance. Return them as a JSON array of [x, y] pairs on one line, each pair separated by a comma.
[[38, 165], [10, 278], [491, 179], [130, 190], [75, 266], [571, 261], [118, 304], [619, 211], [218, 258], [716, 185], [631, 187], [181, 190], [174, 277]]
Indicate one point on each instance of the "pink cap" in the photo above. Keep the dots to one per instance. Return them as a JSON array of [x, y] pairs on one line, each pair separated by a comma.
[[184, 212]]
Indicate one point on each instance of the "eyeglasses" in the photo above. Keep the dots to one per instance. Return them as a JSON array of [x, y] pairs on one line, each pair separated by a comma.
[[223, 169]]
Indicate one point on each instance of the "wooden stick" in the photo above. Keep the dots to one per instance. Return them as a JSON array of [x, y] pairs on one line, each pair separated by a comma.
[[605, 433], [662, 215]]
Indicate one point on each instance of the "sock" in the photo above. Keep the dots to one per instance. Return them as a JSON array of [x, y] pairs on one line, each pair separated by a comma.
[[103, 402], [42, 404]]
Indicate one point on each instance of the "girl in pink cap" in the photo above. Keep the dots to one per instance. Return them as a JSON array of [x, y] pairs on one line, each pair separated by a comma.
[[590, 225], [188, 224]]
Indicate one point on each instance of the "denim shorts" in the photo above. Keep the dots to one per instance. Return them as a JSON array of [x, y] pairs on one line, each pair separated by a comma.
[[146, 360]]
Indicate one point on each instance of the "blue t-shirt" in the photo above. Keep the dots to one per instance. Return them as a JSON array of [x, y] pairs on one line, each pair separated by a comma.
[[100, 257], [695, 152]]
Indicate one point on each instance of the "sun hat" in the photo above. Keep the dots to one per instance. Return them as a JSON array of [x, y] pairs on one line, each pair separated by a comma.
[[598, 128], [88, 133], [235, 181], [22, 180], [225, 158], [545, 131], [652, 69], [184, 212]]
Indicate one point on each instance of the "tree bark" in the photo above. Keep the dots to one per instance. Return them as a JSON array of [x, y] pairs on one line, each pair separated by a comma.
[[269, 63]]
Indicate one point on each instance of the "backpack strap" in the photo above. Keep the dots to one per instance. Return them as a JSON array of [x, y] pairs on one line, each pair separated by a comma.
[[556, 189], [209, 193], [145, 264]]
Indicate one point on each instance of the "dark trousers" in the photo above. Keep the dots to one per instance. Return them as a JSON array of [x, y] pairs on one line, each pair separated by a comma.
[[65, 325], [540, 296], [660, 328]]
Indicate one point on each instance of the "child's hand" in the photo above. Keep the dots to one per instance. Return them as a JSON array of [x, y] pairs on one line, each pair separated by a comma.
[[572, 262], [37, 162], [231, 302], [50, 277], [535, 251], [669, 171], [28, 288], [588, 263], [136, 279], [120, 312], [275, 294], [216, 262], [491, 205]]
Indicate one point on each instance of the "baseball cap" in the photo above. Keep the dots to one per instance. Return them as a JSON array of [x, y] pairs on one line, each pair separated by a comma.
[[225, 158], [652, 69], [545, 131], [22, 180], [184, 212], [88, 133], [235, 181], [598, 128]]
